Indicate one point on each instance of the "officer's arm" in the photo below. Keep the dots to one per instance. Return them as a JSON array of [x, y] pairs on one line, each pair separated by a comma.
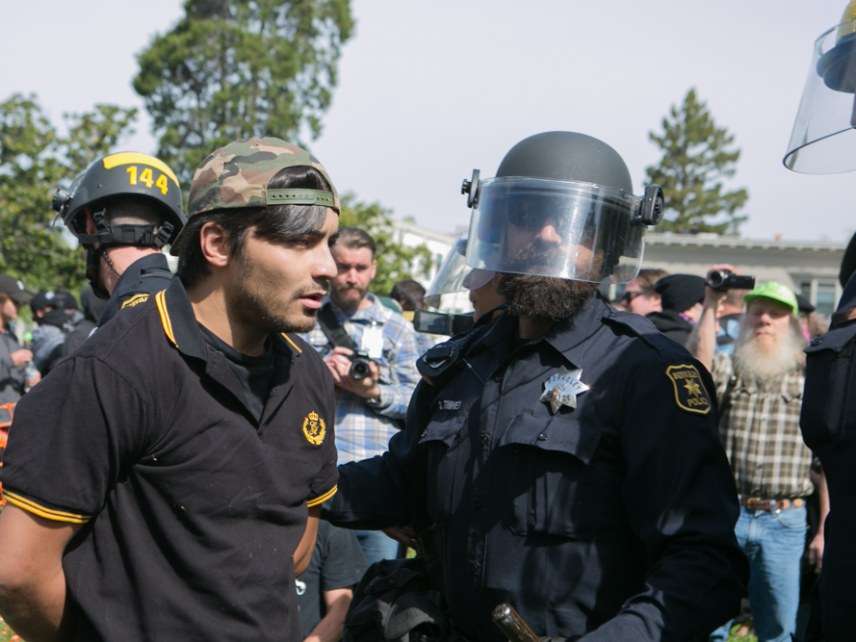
[[32, 581], [681, 503], [380, 492]]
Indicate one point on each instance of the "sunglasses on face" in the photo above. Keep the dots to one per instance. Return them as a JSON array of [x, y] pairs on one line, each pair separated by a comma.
[[628, 295]]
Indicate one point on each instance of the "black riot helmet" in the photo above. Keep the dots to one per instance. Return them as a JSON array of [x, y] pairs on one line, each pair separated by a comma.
[[561, 205], [123, 174]]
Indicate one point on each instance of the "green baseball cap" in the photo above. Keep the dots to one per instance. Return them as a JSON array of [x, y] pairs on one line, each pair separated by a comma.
[[775, 292]]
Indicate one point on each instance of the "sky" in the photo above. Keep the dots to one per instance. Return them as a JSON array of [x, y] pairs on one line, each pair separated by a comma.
[[430, 90]]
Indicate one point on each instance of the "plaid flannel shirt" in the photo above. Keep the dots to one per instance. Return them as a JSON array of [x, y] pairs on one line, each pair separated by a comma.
[[760, 430], [364, 431]]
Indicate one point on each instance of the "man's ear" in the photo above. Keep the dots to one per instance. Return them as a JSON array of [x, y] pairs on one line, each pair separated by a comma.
[[373, 269], [214, 244]]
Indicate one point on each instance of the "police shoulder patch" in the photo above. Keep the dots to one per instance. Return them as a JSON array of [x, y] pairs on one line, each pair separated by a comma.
[[134, 301], [690, 393], [314, 428]]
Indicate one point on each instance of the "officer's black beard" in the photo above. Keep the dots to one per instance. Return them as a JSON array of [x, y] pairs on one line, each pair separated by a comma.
[[544, 296]]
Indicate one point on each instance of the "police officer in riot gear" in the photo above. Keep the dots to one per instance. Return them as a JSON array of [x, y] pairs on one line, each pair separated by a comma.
[[124, 208], [822, 142], [563, 457]]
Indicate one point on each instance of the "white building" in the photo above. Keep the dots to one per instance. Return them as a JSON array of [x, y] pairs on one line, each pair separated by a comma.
[[809, 267]]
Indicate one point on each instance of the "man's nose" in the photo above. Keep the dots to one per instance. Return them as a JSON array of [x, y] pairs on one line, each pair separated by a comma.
[[550, 234], [325, 266]]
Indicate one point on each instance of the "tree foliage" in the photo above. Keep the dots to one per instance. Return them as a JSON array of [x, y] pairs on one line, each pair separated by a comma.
[[35, 156], [697, 158], [231, 69], [394, 261]]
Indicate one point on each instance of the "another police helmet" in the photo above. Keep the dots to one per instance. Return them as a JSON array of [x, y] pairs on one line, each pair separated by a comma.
[[561, 205], [123, 174]]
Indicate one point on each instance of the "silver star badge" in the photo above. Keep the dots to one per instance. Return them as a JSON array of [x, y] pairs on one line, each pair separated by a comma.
[[562, 388]]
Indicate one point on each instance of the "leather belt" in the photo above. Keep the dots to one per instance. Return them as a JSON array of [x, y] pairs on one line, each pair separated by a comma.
[[771, 505]]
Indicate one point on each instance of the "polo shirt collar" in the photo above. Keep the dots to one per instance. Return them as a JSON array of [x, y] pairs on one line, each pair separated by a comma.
[[181, 328]]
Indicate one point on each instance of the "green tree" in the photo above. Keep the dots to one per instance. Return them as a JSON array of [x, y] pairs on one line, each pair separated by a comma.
[[231, 69], [697, 158], [394, 261], [34, 158]]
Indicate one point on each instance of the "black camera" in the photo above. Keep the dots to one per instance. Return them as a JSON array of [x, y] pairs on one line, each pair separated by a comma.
[[726, 280], [360, 366]]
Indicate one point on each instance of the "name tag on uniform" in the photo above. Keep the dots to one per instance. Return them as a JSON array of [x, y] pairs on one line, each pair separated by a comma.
[[372, 341]]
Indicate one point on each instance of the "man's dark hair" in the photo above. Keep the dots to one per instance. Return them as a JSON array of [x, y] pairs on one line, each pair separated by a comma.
[[353, 238], [410, 295], [276, 223]]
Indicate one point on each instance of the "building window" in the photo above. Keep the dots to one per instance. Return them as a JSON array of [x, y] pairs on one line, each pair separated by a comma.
[[825, 298]]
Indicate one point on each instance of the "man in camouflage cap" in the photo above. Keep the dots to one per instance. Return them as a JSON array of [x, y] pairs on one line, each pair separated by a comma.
[[191, 436]]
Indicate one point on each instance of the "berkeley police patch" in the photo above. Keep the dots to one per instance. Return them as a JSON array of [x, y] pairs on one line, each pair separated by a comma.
[[314, 428], [690, 393]]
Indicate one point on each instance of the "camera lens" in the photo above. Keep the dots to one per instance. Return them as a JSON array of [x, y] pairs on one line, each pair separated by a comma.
[[359, 369]]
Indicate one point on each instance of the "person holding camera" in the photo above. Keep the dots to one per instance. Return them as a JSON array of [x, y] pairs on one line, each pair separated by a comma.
[[759, 391], [371, 353]]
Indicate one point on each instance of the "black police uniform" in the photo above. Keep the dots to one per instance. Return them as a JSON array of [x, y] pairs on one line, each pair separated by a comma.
[[143, 278], [614, 518], [828, 423], [192, 504]]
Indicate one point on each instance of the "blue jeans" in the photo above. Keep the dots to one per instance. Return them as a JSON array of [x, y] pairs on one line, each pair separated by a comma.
[[774, 544], [377, 546]]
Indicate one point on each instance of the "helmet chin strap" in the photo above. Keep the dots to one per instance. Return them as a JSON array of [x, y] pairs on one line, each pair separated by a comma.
[[94, 258]]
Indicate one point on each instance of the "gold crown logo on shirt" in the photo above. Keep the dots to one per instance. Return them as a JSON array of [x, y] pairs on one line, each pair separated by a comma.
[[314, 428]]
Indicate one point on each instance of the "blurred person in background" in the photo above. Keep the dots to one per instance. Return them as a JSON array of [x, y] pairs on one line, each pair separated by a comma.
[[325, 589], [56, 314], [410, 295], [14, 375], [680, 296], [759, 391], [92, 306], [639, 296]]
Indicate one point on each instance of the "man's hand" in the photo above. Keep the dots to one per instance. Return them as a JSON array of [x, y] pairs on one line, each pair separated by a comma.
[[339, 364], [33, 379], [21, 357], [403, 534], [815, 551], [713, 297]]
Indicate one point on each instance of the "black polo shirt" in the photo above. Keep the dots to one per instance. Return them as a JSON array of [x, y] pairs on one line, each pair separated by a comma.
[[191, 508], [143, 278]]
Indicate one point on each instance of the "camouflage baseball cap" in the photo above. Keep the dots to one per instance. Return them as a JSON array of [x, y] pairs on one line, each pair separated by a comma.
[[237, 176]]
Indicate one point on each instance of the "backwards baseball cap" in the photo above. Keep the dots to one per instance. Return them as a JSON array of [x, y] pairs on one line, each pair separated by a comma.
[[14, 289], [237, 176], [774, 292]]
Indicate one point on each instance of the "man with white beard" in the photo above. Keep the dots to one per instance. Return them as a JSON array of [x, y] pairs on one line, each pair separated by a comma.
[[759, 392]]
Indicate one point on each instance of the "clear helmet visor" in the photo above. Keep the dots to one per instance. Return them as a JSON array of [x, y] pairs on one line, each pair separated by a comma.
[[449, 291], [823, 140], [563, 229]]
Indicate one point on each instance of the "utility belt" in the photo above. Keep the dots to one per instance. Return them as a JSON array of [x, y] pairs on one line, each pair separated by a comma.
[[770, 505]]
